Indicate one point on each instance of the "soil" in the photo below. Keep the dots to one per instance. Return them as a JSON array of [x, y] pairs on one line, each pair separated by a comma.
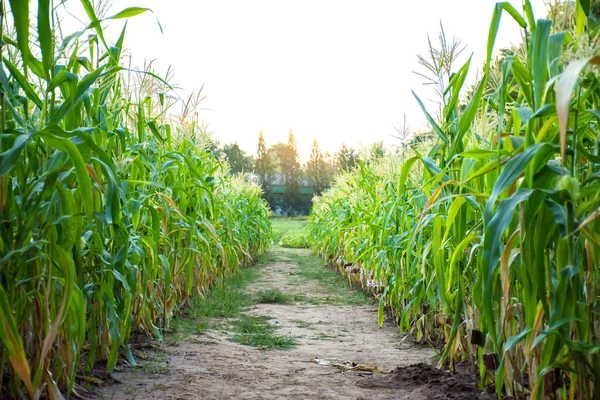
[[424, 378], [210, 366]]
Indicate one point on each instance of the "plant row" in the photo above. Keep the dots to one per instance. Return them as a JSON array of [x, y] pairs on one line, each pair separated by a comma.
[[113, 214], [490, 240]]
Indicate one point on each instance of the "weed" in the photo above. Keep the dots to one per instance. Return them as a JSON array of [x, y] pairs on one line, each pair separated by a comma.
[[257, 332], [226, 299], [155, 366], [273, 296], [338, 291]]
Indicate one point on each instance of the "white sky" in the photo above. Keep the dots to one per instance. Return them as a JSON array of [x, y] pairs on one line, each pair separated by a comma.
[[337, 70]]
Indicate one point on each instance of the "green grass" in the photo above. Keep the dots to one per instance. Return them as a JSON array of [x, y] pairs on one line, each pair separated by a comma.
[[226, 299], [273, 296], [295, 240], [283, 226], [337, 288], [156, 364], [183, 328], [256, 331]]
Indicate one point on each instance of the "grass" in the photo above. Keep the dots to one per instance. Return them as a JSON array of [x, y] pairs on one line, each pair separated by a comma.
[[256, 331], [155, 367], [226, 299], [183, 328], [295, 240], [338, 291], [157, 364], [273, 296], [289, 226]]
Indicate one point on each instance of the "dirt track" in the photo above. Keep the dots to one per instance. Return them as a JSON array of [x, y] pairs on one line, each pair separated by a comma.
[[327, 323]]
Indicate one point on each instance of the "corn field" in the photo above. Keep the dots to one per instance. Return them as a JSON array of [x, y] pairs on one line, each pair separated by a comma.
[[112, 215], [489, 242]]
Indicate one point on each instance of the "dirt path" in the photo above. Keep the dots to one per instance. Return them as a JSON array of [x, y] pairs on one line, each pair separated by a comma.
[[310, 305]]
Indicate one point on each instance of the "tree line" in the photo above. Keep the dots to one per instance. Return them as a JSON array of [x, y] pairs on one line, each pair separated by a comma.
[[289, 184]]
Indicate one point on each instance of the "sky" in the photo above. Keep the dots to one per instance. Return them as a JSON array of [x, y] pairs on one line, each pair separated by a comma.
[[340, 71]]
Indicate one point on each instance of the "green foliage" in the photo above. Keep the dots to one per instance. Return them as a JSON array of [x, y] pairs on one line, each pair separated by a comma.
[[273, 296], [319, 171], [256, 331], [113, 217], [284, 225], [225, 299], [237, 159], [295, 240], [265, 164], [346, 159], [493, 235], [291, 170], [332, 284]]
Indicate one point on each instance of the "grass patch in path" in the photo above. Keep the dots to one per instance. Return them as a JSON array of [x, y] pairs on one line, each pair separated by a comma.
[[225, 300], [287, 227], [338, 291], [273, 296], [256, 331]]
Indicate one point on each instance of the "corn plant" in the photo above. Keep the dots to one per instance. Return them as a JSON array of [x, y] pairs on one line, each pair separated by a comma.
[[490, 242], [112, 217]]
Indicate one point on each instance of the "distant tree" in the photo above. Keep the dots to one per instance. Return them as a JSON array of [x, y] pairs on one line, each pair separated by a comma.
[[291, 169], [376, 151], [281, 151], [237, 158], [318, 169], [265, 165], [212, 146], [346, 158]]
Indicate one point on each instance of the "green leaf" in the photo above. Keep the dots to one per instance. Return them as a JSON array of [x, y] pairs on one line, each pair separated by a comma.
[[491, 252], [11, 340], [83, 178], [431, 121], [130, 12], [9, 158], [20, 11], [538, 55], [515, 340], [45, 34], [513, 169], [75, 97], [23, 82], [493, 32]]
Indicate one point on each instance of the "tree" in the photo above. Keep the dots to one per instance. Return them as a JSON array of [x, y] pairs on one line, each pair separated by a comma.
[[211, 145], [289, 166], [265, 165], [376, 151], [318, 170], [346, 158], [291, 169], [237, 158]]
